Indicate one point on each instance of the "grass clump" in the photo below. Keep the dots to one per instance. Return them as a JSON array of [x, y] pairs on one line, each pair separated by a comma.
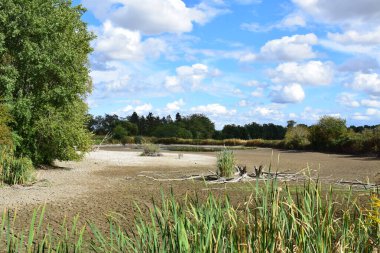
[[150, 149], [225, 163], [15, 170]]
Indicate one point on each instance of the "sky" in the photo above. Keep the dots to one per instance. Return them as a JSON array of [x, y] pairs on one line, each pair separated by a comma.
[[236, 61]]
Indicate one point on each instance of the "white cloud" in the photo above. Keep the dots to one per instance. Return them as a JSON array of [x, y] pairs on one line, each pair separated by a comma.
[[369, 83], [270, 112], [353, 37], [292, 93], [258, 92], [310, 73], [360, 116], [291, 21], [175, 105], [173, 84], [213, 110], [370, 103], [342, 11], [370, 113], [348, 99], [152, 16], [189, 77], [140, 109], [122, 44], [296, 47]]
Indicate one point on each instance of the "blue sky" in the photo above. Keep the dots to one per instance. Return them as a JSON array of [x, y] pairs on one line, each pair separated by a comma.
[[237, 61]]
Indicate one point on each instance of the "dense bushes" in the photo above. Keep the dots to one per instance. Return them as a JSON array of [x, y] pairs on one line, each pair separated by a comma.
[[297, 137]]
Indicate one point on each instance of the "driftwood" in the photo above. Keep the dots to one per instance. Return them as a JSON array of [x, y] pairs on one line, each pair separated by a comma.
[[358, 183], [241, 175]]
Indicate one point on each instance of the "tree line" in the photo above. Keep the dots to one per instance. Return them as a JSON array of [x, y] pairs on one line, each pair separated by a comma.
[[194, 126]]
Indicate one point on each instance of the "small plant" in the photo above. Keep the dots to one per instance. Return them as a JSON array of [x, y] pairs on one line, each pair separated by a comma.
[[150, 149], [225, 163], [15, 170]]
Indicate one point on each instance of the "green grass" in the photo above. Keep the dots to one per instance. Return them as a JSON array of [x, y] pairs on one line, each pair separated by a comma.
[[272, 219], [225, 162], [15, 170]]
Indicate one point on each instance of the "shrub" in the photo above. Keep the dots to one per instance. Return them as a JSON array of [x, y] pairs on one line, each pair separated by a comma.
[[150, 149], [326, 134], [139, 139], [15, 170], [225, 163], [297, 137], [120, 133]]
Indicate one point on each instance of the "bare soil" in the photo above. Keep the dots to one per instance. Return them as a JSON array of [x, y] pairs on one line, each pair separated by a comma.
[[108, 180]]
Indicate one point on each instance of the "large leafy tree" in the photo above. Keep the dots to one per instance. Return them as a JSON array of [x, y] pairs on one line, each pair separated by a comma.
[[44, 76]]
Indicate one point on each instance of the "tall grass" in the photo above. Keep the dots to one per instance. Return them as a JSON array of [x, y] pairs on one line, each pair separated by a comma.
[[225, 163], [273, 219], [150, 149], [15, 170]]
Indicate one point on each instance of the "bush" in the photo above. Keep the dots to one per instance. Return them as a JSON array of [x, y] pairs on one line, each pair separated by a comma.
[[150, 149], [297, 137], [139, 139], [15, 170], [327, 133], [225, 163], [120, 133]]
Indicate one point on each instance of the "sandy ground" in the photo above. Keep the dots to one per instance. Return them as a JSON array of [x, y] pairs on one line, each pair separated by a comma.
[[107, 180], [77, 179]]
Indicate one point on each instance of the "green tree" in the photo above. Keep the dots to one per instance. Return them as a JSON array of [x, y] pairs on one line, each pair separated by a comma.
[[44, 77], [297, 137], [326, 134], [5, 132]]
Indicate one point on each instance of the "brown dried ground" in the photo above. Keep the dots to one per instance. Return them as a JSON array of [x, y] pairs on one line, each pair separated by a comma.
[[108, 180]]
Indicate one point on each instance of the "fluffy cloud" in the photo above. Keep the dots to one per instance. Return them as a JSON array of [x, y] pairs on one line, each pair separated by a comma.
[[122, 44], [342, 11], [292, 93], [370, 113], [352, 37], [213, 110], [189, 76], [152, 16], [140, 109], [270, 112], [358, 20], [310, 73], [370, 103], [296, 47], [369, 83], [348, 99], [175, 105]]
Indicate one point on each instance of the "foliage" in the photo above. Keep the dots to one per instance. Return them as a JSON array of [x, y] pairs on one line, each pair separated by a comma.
[[274, 219], [297, 137], [225, 163], [326, 134], [120, 134], [44, 76], [150, 149], [15, 170], [5, 132]]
